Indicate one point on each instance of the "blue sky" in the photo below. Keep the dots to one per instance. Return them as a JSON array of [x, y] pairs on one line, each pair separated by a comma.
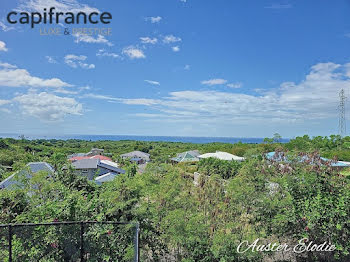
[[176, 67]]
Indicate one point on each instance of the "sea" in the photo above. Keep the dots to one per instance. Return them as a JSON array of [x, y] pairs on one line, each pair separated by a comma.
[[183, 139]]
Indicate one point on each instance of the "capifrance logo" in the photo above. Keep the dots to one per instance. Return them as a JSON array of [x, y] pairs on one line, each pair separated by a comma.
[[50, 16]]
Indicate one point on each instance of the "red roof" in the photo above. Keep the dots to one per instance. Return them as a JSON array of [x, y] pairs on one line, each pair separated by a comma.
[[90, 157], [101, 157]]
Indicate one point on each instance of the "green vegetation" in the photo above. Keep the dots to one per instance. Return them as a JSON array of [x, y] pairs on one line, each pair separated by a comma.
[[182, 220]]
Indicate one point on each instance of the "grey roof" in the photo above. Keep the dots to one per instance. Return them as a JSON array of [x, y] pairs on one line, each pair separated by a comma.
[[90, 163], [111, 168], [76, 154], [188, 156], [32, 168], [194, 153], [40, 166], [138, 154]]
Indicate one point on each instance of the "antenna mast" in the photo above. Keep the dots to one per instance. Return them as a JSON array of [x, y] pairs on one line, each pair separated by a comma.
[[342, 121]]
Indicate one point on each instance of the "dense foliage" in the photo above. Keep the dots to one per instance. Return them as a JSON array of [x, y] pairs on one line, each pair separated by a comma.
[[186, 221]]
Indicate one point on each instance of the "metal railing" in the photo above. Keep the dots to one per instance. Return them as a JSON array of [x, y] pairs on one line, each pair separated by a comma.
[[78, 241]]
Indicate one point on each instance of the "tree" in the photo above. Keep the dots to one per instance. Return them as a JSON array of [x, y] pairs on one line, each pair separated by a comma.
[[277, 138]]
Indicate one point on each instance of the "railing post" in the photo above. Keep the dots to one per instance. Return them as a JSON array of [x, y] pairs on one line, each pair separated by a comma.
[[82, 241], [10, 242], [137, 239]]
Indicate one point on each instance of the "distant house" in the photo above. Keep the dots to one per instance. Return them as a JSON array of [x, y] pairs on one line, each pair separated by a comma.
[[222, 156], [188, 156], [26, 173], [96, 167], [137, 157], [95, 153], [282, 157]]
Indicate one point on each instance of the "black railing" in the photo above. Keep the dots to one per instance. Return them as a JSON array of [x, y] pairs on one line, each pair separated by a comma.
[[78, 241]]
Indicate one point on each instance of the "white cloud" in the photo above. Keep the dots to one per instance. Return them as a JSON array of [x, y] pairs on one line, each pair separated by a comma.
[[215, 81], [148, 40], [171, 39], [6, 110], [140, 101], [84, 88], [279, 6], [7, 65], [103, 52], [51, 60], [187, 67], [235, 85], [137, 101], [65, 91], [61, 6], [4, 102], [3, 46], [175, 48], [314, 98], [153, 19], [13, 77], [48, 107], [133, 52], [100, 39], [77, 61], [5, 27], [101, 97], [184, 1], [152, 82]]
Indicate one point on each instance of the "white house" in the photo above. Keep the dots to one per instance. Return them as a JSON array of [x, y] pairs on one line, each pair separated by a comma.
[[222, 156]]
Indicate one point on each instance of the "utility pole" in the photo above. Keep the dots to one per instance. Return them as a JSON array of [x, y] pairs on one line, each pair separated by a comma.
[[342, 121]]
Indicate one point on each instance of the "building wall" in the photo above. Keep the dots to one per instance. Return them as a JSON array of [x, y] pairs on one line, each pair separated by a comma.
[[89, 173]]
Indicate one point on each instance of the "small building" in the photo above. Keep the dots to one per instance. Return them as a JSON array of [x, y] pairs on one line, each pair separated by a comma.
[[145, 157], [222, 156], [91, 168], [26, 173], [188, 156], [105, 178], [282, 157], [95, 153], [86, 167]]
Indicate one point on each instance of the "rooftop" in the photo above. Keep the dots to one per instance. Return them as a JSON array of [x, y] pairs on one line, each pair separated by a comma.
[[188, 156], [222, 156], [31, 168], [139, 154], [86, 163]]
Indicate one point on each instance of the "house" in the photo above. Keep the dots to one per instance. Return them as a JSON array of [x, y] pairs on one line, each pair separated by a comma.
[[222, 156], [95, 153], [96, 167], [75, 158], [105, 178], [188, 156], [86, 167], [26, 173], [136, 156], [282, 157]]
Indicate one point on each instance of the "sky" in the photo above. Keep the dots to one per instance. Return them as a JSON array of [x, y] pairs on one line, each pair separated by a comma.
[[178, 68]]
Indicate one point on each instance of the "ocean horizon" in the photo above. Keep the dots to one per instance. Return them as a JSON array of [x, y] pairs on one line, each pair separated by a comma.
[[182, 139]]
